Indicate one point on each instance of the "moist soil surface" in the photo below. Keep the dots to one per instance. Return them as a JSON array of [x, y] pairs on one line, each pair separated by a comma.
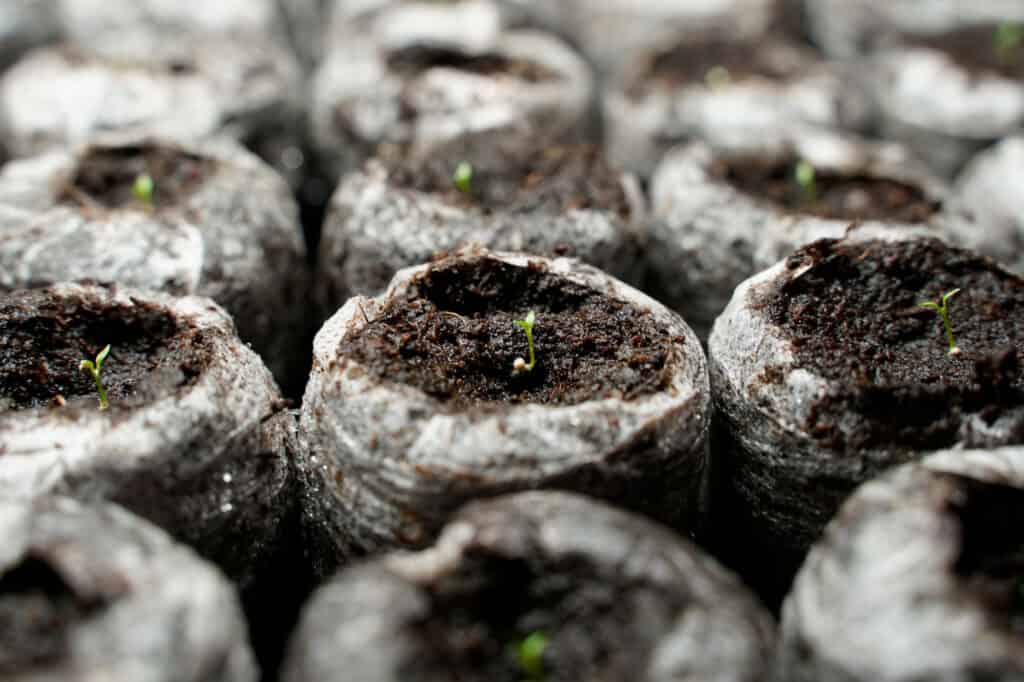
[[513, 178], [452, 335], [411, 61], [693, 62], [851, 312], [975, 49], [991, 560], [481, 613], [37, 611], [43, 340], [106, 176], [835, 196]]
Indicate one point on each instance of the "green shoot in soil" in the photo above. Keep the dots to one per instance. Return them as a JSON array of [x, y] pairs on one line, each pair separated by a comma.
[[943, 310], [463, 177], [520, 365], [530, 652], [1008, 38], [718, 77], [803, 173], [142, 188], [94, 369]]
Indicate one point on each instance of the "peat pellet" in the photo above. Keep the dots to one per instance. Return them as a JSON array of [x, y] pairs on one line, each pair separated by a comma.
[[195, 439], [217, 222], [852, 28], [725, 91], [25, 24], [990, 191], [640, 25], [422, 74], [403, 209], [917, 578], [827, 370], [949, 93], [180, 85], [417, 402], [721, 215], [94, 593], [91, 22], [537, 585]]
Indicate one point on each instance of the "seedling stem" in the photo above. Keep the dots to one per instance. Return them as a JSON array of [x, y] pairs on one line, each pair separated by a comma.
[[142, 188], [95, 368], [526, 325], [463, 177], [530, 652], [1007, 40], [943, 310], [805, 179]]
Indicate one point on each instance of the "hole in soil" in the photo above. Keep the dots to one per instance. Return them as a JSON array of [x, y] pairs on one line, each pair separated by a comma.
[[595, 628], [43, 339], [411, 61], [697, 62], [453, 336], [978, 50], [514, 178], [836, 196], [107, 175], [853, 317], [37, 611], [991, 559]]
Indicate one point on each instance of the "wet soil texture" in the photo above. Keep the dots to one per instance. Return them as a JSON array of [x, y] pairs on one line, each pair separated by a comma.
[[414, 60], [106, 176], [481, 614], [991, 561], [44, 339], [853, 316], [834, 197], [551, 179], [454, 336]]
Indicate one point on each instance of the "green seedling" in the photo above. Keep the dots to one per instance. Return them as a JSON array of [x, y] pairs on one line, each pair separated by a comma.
[[718, 77], [530, 653], [943, 309], [804, 175], [520, 365], [142, 189], [463, 177], [94, 369], [1008, 38]]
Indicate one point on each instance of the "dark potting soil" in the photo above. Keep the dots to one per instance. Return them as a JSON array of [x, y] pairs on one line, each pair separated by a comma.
[[991, 560], [411, 61], [836, 196], [106, 176], [976, 49], [480, 614], [453, 336], [851, 312], [513, 178], [44, 339], [37, 611], [697, 61]]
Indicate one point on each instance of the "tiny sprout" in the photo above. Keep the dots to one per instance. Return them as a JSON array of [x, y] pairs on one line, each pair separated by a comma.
[[142, 188], [530, 652], [805, 179], [520, 365], [1008, 38], [943, 310], [463, 177], [94, 369], [718, 77]]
